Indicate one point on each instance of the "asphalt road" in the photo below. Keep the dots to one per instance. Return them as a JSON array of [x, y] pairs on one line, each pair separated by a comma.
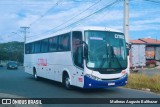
[[17, 82]]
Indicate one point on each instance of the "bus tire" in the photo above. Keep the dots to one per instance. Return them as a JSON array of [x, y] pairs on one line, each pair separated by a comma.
[[35, 74], [66, 81]]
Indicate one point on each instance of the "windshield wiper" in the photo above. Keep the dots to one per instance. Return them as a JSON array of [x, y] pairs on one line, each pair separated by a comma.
[[103, 61], [116, 57]]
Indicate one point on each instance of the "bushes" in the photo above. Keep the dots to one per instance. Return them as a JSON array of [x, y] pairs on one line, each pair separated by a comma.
[[141, 81]]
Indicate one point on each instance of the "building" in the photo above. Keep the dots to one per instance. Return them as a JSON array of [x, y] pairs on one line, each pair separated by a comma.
[[144, 51]]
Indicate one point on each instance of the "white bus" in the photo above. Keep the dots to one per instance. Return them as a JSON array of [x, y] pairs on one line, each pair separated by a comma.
[[87, 57]]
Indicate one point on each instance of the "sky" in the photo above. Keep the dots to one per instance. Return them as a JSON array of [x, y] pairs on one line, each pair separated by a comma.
[[45, 17]]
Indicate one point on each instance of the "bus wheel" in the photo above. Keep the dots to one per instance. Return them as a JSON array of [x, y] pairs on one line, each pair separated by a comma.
[[67, 82], [35, 75]]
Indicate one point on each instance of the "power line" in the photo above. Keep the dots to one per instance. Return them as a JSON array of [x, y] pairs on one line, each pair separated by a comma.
[[153, 1], [57, 3], [20, 2], [111, 4], [90, 14], [76, 15], [71, 18], [103, 15], [25, 4]]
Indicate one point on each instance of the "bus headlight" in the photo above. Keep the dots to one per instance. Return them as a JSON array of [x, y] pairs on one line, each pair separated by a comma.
[[93, 77], [123, 72]]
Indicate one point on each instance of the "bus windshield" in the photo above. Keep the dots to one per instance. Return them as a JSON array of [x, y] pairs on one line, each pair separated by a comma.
[[106, 50]]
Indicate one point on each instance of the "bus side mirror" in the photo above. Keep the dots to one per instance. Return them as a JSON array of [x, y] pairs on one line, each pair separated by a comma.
[[128, 47], [80, 56], [80, 43], [77, 42], [85, 53]]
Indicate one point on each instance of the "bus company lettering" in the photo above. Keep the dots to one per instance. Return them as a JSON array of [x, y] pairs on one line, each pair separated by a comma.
[[42, 62], [119, 36], [80, 79]]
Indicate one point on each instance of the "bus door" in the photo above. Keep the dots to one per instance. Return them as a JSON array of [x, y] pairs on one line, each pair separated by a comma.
[[77, 54]]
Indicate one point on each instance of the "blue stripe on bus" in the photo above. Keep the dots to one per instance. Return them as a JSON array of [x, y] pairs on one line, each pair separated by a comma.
[[91, 83]]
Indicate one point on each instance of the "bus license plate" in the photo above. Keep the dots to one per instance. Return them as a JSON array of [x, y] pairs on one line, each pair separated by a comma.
[[109, 84]]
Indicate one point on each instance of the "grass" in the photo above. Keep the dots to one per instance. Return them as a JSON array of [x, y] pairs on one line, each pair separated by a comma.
[[142, 81]]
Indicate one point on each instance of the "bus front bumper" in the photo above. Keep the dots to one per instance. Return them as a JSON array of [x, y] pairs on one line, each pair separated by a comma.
[[91, 83]]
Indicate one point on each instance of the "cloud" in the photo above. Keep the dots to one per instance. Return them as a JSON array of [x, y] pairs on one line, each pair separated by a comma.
[[17, 13], [145, 24], [58, 17], [148, 21]]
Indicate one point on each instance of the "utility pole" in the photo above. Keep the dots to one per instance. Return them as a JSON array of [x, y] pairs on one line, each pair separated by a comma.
[[126, 29], [126, 20], [25, 32]]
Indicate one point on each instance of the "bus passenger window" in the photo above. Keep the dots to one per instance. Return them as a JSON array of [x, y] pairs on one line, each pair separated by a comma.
[[27, 48], [37, 47], [64, 42], [44, 45], [32, 48], [53, 44]]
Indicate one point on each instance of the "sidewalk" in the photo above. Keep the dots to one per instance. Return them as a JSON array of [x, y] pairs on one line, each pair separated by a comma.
[[3, 95]]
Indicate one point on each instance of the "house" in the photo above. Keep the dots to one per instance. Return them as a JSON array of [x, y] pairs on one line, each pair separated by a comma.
[[144, 51]]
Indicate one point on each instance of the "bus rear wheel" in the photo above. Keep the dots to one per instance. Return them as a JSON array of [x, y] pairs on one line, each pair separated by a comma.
[[66, 81]]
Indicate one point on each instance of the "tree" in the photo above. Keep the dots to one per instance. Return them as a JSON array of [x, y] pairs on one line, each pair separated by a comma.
[[12, 51]]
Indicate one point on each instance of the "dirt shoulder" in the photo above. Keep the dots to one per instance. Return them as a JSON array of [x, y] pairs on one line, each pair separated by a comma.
[[147, 79]]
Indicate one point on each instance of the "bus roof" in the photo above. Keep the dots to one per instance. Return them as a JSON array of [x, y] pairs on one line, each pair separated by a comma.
[[74, 29]]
